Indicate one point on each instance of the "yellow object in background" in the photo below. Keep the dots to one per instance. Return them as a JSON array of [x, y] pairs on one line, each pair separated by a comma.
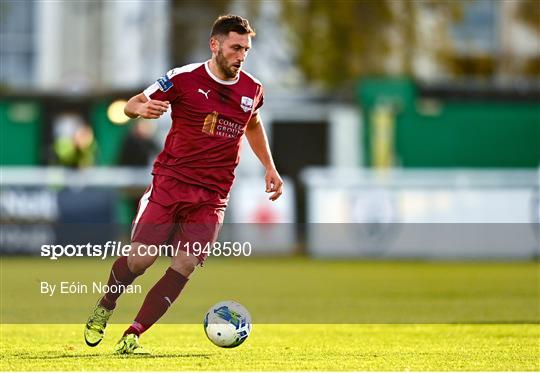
[[382, 136]]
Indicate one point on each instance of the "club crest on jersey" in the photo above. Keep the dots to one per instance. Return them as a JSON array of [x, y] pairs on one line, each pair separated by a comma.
[[164, 83], [246, 103]]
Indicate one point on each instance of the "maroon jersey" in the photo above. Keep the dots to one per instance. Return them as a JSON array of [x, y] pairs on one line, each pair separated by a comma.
[[209, 117]]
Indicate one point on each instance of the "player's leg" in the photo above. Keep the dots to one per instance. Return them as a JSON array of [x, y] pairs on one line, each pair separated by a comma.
[[202, 225], [157, 302], [151, 224], [125, 269], [123, 272], [164, 292]]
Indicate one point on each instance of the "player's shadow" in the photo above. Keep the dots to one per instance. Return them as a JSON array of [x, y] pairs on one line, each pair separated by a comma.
[[62, 356], [28, 356], [206, 356]]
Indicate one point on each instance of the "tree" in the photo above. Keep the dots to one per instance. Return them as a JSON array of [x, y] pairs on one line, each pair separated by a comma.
[[344, 39], [529, 13], [338, 39]]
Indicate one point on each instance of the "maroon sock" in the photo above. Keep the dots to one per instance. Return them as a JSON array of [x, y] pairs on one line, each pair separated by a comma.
[[157, 301], [120, 275]]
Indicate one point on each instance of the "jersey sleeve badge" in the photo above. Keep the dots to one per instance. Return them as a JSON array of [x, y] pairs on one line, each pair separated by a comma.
[[164, 83]]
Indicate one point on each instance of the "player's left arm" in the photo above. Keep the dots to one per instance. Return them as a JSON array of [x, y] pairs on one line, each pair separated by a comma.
[[258, 141]]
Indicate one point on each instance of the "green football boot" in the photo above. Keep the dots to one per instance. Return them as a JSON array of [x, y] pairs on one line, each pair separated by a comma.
[[129, 345], [96, 324]]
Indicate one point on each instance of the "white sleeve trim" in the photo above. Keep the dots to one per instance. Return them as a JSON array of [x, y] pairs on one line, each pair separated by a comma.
[[184, 69], [151, 90], [170, 74]]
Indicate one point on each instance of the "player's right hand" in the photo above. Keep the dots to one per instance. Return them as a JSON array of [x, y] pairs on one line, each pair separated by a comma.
[[153, 109]]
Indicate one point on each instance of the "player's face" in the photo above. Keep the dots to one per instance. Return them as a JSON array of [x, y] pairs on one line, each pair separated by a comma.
[[231, 53]]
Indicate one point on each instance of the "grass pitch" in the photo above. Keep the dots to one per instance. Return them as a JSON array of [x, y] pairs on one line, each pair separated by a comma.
[[282, 348], [309, 315]]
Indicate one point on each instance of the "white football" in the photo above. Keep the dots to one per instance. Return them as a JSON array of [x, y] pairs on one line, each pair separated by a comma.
[[227, 324]]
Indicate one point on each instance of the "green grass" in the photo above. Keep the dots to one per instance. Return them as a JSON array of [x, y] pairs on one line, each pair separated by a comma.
[[293, 291], [309, 315], [282, 348]]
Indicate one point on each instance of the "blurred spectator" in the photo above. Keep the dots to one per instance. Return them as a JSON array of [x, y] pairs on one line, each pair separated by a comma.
[[74, 144], [139, 147]]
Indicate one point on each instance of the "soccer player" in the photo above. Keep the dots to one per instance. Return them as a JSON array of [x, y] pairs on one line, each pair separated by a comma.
[[213, 104]]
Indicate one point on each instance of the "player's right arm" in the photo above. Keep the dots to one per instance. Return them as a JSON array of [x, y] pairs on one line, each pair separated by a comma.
[[141, 106]]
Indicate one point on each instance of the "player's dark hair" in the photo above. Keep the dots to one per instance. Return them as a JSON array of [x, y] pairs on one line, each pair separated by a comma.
[[225, 24]]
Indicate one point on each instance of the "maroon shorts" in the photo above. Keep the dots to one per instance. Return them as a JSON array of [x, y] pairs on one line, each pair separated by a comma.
[[179, 215]]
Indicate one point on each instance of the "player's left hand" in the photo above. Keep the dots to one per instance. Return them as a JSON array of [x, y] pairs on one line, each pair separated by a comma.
[[274, 184]]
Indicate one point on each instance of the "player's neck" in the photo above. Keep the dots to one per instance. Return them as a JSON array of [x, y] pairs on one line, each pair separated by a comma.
[[217, 71]]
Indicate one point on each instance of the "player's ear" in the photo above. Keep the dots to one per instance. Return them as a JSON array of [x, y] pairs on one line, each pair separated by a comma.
[[214, 44]]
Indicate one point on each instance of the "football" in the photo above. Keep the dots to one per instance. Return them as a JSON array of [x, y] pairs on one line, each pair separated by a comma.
[[227, 324]]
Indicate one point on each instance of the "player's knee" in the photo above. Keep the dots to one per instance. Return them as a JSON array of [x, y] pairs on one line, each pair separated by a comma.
[[138, 264], [184, 267], [135, 266]]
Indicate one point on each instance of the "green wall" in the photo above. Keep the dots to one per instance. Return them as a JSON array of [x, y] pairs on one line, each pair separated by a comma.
[[471, 134], [453, 133], [20, 132], [109, 136]]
